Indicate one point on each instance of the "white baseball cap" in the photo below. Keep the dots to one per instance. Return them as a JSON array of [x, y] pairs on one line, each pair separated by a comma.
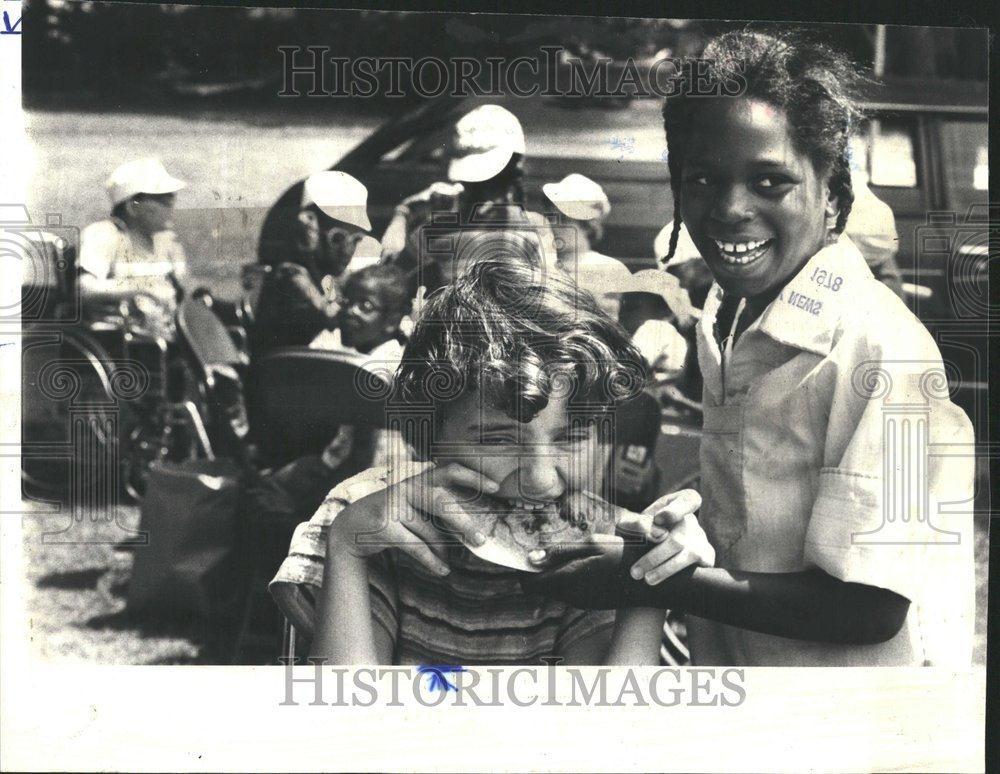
[[142, 176], [578, 197], [686, 250], [485, 140], [339, 196]]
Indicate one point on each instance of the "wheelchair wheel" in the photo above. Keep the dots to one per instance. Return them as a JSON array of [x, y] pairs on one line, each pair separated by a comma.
[[175, 432], [71, 417]]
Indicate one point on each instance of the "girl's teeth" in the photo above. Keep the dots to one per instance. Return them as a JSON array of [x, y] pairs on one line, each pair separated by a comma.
[[740, 252]]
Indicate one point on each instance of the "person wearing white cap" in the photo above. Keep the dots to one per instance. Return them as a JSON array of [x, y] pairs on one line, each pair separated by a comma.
[[299, 298], [686, 263], [485, 191], [871, 225], [585, 207], [134, 254]]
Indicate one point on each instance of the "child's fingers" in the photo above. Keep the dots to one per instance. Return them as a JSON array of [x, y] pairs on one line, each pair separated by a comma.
[[423, 531], [422, 553], [672, 512], [456, 474], [682, 559], [442, 512], [660, 554]]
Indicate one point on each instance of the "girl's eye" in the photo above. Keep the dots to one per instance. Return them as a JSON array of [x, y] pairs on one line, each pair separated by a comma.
[[697, 179], [774, 183]]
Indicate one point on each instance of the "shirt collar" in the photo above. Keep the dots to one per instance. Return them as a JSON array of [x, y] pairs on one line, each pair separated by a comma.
[[808, 310]]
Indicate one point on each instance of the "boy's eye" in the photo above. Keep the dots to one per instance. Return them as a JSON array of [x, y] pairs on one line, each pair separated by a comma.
[[497, 440], [577, 436]]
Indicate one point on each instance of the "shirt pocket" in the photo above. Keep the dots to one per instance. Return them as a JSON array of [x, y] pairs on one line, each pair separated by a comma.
[[723, 514]]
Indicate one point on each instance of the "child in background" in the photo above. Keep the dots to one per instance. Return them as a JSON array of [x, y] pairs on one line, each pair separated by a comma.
[[503, 335], [373, 300], [299, 296], [842, 538], [585, 207]]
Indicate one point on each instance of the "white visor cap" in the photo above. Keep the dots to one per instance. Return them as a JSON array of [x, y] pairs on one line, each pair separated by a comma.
[[578, 197], [339, 196], [142, 176], [485, 140]]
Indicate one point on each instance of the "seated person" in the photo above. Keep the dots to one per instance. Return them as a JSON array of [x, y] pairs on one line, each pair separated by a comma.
[[134, 255], [299, 295], [506, 337], [373, 301]]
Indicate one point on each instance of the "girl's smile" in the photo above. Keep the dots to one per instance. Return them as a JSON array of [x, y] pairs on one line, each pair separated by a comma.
[[754, 205]]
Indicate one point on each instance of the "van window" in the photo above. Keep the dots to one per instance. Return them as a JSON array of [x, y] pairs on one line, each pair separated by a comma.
[[885, 151], [965, 148]]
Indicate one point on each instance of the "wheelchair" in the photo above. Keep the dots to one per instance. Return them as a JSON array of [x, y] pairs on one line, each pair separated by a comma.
[[105, 393]]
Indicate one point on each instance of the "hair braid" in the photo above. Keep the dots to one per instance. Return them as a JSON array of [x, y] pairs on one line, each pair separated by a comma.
[[813, 84]]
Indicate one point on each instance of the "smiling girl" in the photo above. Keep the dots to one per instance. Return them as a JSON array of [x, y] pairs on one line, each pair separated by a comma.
[[836, 473]]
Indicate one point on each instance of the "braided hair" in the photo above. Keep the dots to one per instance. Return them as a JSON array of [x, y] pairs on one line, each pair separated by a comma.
[[813, 84]]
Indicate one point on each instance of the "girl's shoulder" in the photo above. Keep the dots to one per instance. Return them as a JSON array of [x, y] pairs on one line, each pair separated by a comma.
[[878, 324]]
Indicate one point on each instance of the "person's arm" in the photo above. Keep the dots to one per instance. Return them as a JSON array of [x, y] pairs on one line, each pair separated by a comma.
[[394, 238], [636, 639], [807, 605], [345, 632], [413, 210]]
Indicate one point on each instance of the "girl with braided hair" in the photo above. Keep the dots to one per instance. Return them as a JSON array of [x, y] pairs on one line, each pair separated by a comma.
[[837, 532]]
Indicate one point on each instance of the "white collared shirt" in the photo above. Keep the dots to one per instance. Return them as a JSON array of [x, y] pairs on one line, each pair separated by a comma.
[[830, 441]]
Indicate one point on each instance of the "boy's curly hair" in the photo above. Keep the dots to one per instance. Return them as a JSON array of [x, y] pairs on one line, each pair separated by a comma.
[[521, 334], [816, 86]]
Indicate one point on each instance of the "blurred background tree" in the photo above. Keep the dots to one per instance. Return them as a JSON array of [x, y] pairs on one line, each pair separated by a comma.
[[138, 53]]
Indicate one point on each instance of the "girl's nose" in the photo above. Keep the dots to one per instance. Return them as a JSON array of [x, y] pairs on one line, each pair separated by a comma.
[[539, 478], [732, 206]]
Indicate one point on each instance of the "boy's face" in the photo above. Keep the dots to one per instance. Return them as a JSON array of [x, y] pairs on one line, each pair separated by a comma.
[[754, 205], [366, 318], [153, 212], [540, 461]]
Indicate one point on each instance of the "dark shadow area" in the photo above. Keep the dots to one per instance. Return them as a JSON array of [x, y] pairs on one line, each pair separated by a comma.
[[73, 579]]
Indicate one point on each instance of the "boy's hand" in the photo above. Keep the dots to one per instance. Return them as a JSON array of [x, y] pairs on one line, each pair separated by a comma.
[[429, 513]]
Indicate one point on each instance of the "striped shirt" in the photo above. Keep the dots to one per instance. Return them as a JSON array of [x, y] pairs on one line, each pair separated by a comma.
[[477, 614]]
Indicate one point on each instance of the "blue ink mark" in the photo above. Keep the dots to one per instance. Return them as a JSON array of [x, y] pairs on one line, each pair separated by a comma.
[[438, 680], [7, 29], [666, 154]]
